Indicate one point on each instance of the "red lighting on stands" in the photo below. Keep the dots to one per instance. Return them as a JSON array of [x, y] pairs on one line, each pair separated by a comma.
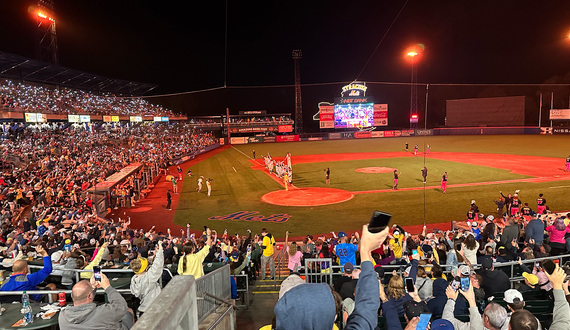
[[414, 116]]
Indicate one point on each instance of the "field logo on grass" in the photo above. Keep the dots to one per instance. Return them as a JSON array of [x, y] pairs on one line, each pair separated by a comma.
[[252, 216]]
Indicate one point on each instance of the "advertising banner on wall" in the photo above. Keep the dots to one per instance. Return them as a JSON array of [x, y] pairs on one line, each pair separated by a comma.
[[380, 114], [559, 114], [287, 138], [255, 139], [326, 116], [238, 140], [362, 135], [73, 118], [409, 132], [376, 134], [269, 139], [285, 128], [424, 132], [347, 135], [560, 130], [334, 136]]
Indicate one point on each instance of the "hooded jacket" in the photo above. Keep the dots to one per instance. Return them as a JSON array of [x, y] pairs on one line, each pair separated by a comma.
[[91, 316], [437, 304], [146, 286]]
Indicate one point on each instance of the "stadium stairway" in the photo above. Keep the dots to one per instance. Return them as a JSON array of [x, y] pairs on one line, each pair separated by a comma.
[[263, 297]]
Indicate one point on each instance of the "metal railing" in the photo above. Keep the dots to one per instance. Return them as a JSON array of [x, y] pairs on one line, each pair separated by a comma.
[[176, 308], [49, 293], [318, 270], [511, 268], [243, 279], [217, 284]]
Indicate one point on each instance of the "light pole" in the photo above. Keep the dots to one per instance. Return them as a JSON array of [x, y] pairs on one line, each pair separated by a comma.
[[412, 55]]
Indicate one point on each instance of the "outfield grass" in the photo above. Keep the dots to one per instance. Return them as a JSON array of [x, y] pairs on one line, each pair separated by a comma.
[[343, 173], [237, 187]]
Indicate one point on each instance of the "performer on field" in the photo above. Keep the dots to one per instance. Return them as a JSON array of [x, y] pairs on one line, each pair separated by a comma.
[[396, 177], [328, 176], [424, 173], [567, 169], [416, 150], [444, 182]]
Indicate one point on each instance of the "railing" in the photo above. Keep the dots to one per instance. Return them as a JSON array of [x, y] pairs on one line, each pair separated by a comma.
[[174, 309], [49, 293], [314, 273], [244, 289], [214, 284], [511, 268]]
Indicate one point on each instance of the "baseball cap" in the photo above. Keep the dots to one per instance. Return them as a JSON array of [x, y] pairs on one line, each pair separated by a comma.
[[348, 267], [512, 295], [473, 201], [414, 308], [531, 278], [235, 256], [341, 234], [487, 263], [379, 271], [490, 218], [442, 324], [465, 270]]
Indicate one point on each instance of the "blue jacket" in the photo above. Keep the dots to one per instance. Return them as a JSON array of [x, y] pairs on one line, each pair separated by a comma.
[[21, 282], [365, 314]]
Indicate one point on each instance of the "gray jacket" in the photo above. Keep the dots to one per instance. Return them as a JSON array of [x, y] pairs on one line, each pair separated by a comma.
[[475, 320], [561, 312], [146, 286], [68, 277], [91, 316]]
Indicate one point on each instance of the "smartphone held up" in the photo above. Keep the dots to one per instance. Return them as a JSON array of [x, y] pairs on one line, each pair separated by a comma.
[[97, 273], [379, 221]]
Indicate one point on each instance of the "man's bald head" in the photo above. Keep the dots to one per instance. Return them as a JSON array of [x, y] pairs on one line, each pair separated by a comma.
[[20, 266], [80, 292]]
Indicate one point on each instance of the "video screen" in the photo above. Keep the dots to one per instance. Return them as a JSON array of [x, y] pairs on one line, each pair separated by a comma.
[[353, 115]]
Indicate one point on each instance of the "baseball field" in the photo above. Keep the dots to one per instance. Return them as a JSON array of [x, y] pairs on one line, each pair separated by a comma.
[[245, 195]]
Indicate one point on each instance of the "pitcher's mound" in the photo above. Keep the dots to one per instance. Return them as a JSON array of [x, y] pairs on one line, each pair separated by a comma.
[[307, 197], [375, 170]]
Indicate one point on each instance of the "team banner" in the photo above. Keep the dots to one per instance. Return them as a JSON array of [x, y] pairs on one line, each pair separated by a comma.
[[559, 114], [380, 114], [326, 116]]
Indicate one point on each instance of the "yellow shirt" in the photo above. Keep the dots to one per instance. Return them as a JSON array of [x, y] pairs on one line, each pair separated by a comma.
[[397, 247], [194, 263], [95, 262], [268, 243]]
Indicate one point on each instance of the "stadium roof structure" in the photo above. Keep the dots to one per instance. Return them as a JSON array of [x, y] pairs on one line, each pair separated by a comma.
[[20, 68]]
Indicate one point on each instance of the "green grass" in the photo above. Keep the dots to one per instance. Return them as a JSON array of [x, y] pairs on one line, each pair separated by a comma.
[[343, 173], [241, 189]]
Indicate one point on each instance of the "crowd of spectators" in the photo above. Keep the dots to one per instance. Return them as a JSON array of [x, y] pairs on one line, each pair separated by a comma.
[[37, 98], [456, 274]]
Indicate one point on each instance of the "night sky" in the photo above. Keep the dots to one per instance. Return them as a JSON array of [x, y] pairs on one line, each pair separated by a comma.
[[180, 47]]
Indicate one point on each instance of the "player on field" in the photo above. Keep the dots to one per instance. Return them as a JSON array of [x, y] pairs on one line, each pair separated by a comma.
[[328, 176], [424, 173], [541, 204]]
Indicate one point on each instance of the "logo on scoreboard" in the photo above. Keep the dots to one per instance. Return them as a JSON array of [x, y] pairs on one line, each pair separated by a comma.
[[354, 89]]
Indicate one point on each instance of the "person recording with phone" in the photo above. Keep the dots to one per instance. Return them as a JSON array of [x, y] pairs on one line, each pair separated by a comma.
[[494, 317], [85, 314], [323, 313]]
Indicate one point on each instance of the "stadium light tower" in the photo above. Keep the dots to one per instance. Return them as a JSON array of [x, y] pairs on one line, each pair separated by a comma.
[[46, 38], [297, 55], [413, 54]]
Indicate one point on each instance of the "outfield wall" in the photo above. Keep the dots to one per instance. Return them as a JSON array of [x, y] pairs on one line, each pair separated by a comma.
[[390, 133]]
